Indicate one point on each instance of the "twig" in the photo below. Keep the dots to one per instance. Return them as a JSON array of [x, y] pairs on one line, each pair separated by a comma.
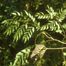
[[61, 48], [53, 38]]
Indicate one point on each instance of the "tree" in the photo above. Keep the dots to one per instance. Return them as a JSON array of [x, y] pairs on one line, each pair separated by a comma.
[[36, 27]]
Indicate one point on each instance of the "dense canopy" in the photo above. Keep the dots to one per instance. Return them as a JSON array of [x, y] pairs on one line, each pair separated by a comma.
[[32, 33]]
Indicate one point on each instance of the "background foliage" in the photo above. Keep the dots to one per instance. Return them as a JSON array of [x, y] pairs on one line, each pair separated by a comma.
[[32, 33]]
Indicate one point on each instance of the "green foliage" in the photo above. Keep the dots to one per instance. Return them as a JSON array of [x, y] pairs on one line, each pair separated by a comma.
[[26, 23], [20, 28], [54, 18], [21, 57]]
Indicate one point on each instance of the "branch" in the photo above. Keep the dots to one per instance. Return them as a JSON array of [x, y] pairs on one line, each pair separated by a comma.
[[61, 48], [53, 38]]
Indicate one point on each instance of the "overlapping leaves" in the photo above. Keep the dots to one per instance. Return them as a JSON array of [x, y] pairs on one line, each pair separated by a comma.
[[21, 57], [54, 19], [21, 30]]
